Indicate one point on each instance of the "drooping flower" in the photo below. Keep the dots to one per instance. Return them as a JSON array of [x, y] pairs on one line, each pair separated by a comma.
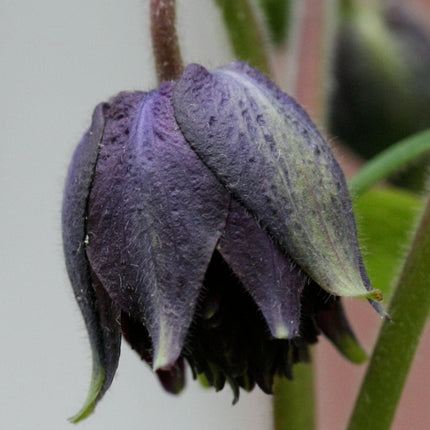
[[207, 222]]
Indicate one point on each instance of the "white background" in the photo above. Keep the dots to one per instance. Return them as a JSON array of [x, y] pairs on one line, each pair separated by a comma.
[[59, 58]]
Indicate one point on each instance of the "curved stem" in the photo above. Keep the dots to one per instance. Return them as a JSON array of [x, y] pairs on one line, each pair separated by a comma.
[[398, 340], [388, 161], [165, 44]]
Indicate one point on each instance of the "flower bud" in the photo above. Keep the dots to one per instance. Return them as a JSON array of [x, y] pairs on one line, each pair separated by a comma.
[[381, 68]]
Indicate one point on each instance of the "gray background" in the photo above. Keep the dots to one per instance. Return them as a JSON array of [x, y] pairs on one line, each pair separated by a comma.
[[58, 60]]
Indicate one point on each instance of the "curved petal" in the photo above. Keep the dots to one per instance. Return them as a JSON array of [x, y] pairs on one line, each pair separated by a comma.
[[272, 279], [263, 147], [156, 214], [99, 312], [330, 318]]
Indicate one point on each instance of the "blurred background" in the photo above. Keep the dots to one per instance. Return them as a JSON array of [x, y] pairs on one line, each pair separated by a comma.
[[58, 60]]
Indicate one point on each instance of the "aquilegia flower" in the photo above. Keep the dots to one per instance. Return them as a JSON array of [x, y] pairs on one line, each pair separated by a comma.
[[207, 222]]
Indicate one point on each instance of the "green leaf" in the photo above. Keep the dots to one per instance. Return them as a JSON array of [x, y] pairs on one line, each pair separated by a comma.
[[386, 218]]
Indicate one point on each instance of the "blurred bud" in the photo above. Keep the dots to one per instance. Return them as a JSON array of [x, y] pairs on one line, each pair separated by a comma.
[[382, 85], [192, 210]]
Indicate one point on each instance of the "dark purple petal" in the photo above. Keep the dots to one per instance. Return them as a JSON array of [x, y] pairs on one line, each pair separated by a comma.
[[136, 334], [99, 312], [173, 380], [156, 214], [272, 279], [263, 147]]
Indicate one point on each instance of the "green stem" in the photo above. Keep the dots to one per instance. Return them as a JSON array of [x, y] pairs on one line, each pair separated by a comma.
[[388, 161], [398, 340], [244, 33], [346, 7], [294, 404], [277, 13], [165, 44]]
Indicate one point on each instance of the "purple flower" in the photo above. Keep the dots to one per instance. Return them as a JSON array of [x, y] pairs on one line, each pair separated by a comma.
[[207, 222]]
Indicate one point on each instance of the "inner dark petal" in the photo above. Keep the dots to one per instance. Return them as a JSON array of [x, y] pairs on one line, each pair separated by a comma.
[[229, 339]]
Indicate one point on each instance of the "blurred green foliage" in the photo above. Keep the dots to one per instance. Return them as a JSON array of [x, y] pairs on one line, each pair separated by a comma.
[[386, 218]]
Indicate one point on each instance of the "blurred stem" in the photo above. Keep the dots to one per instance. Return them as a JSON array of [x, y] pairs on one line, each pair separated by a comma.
[[311, 44], [389, 161], [346, 7], [245, 34], [398, 340], [277, 13], [165, 44], [294, 406]]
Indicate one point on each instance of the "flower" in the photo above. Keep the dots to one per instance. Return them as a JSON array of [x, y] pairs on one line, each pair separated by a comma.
[[207, 222]]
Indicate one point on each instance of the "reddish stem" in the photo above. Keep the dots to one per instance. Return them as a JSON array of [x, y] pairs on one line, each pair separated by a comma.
[[165, 44]]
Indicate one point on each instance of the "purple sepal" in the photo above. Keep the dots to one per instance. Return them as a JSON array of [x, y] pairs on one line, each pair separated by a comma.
[[156, 214], [272, 279], [263, 147], [99, 312]]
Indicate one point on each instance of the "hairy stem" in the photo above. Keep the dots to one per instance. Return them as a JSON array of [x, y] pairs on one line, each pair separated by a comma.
[[165, 44]]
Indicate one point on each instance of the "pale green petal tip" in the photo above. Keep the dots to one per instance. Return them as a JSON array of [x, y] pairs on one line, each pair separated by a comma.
[[93, 396], [351, 349], [357, 290], [375, 295], [281, 332], [203, 380], [167, 348]]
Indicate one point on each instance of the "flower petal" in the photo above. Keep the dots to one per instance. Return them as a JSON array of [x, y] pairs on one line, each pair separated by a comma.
[[99, 312], [331, 319], [326, 313], [263, 147], [156, 214], [272, 279]]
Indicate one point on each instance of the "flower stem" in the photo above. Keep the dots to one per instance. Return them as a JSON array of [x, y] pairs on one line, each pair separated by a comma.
[[388, 161], [165, 44], [293, 404], [397, 342], [245, 34]]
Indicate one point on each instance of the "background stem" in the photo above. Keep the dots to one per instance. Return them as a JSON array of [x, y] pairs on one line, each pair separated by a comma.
[[165, 44], [397, 342], [245, 34], [311, 48], [298, 395], [389, 161]]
